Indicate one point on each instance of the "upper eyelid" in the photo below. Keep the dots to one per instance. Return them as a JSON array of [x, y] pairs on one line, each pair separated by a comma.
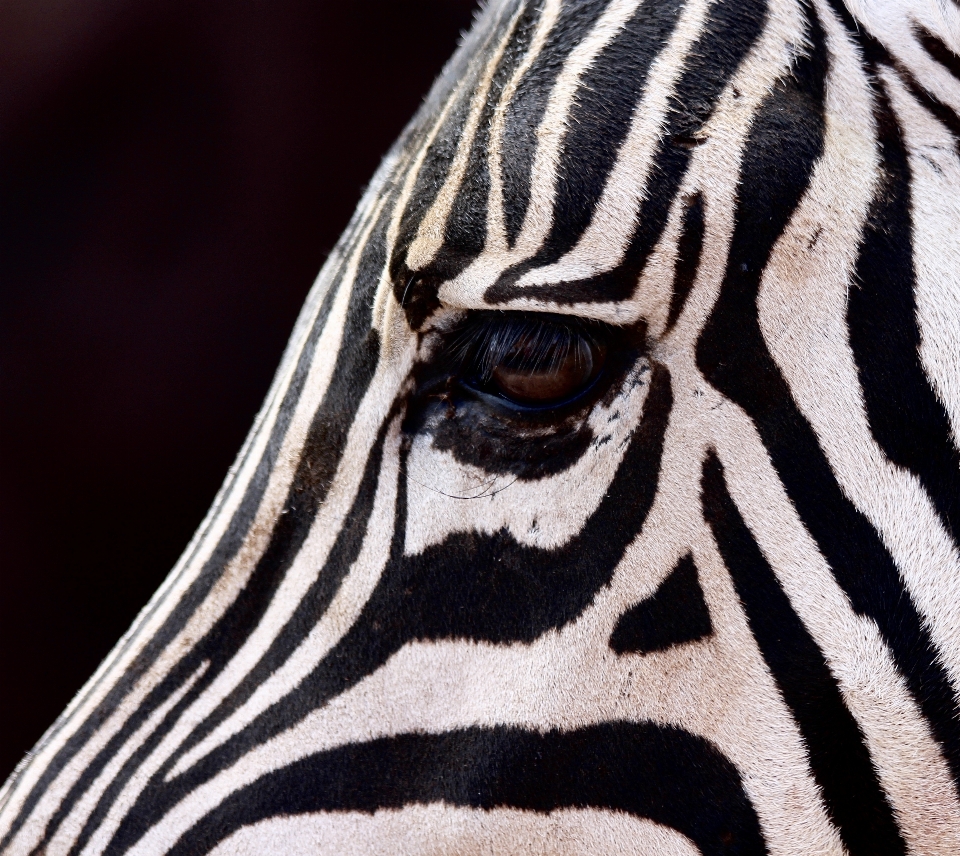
[[478, 340], [587, 312]]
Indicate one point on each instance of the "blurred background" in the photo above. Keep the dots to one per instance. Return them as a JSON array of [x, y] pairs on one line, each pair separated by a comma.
[[172, 175]]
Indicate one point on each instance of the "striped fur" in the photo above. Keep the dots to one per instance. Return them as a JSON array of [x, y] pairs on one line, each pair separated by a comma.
[[715, 611]]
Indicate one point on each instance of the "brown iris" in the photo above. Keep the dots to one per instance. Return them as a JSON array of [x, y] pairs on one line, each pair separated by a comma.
[[531, 360], [537, 373]]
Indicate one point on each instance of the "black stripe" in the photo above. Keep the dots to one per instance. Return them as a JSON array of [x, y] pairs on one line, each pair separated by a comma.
[[946, 115], [658, 772], [472, 586], [430, 179], [731, 30], [466, 229], [689, 248], [416, 291], [526, 109], [314, 602], [733, 357], [906, 416], [600, 117], [835, 745], [938, 51], [675, 614], [417, 297], [907, 419], [876, 54]]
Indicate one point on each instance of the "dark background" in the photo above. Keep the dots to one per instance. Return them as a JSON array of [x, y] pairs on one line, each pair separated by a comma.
[[172, 176]]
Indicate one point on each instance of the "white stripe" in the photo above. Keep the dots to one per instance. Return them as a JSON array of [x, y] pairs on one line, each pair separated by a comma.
[[803, 305], [553, 127], [430, 233], [892, 21], [469, 286], [802, 311], [345, 608], [72, 827], [496, 229], [935, 207], [603, 243], [429, 830], [284, 680], [714, 170]]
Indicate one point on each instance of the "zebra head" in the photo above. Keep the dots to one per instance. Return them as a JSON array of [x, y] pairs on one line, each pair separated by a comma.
[[607, 498]]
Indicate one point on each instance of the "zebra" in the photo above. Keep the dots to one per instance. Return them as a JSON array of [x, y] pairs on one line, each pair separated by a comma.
[[607, 496]]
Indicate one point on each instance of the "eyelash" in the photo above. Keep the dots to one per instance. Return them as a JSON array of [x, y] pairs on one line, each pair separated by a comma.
[[485, 340]]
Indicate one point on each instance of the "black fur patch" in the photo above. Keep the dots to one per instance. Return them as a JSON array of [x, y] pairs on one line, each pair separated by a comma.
[[475, 434], [938, 51], [675, 614]]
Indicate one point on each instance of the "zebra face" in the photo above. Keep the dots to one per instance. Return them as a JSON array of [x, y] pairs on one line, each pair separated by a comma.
[[606, 499]]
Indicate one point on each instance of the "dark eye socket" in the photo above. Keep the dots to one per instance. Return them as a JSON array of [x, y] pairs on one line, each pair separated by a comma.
[[531, 361]]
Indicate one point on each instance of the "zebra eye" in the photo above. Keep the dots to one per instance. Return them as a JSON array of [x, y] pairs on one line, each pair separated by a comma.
[[529, 361], [537, 374]]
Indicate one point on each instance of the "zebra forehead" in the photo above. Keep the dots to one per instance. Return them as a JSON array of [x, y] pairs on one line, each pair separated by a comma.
[[580, 135]]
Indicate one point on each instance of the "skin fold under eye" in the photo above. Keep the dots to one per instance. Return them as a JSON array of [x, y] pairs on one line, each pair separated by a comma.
[[529, 360]]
